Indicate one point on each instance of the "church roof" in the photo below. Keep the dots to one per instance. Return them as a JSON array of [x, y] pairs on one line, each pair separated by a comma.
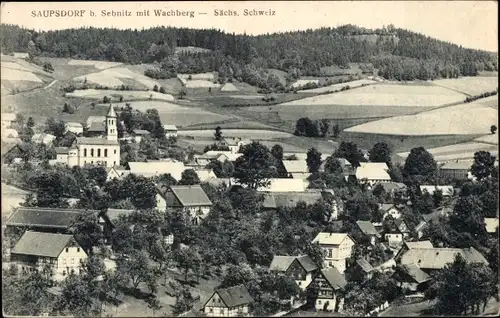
[[111, 112], [95, 141]]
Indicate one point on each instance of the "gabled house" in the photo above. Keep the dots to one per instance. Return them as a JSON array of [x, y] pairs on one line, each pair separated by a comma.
[[398, 232], [170, 131], [390, 209], [228, 302], [296, 169], [396, 190], [73, 127], [372, 172], [189, 198], [7, 119], [60, 252], [337, 247], [367, 229], [360, 271], [331, 284], [205, 174], [409, 245], [138, 134], [411, 277], [232, 143], [300, 268]]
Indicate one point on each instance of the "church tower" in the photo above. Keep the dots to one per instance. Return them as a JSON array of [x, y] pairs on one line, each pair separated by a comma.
[[112, 133]]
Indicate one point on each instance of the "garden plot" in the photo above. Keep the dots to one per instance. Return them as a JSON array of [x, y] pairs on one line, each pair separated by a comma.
[[253, 134], [466, 119], [101, 65], [386, 95], [99, 94], [339, 86], [470, 85]]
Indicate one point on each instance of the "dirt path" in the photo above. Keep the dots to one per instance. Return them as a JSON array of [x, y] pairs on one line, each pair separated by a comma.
[[53, 82]]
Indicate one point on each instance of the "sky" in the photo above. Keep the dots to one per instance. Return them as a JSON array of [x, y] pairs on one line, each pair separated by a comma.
[[472, 24]]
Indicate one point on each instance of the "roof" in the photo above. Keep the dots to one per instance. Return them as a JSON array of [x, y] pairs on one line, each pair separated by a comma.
[[437, 258], [229, 87], [95, 141], [44, 217], [232, 141], [365, 266], [331, 238], [458, 165], [447, 190], [334, 277], [399, 222], [307, 263], [9, 132], [419, 244], [372, 171], [97, 127], [169, 127], [74, 124], [111, 112], [491, 224], [141, 132], [295, 166], [62, 150], [284, 185], [154, 168], [205, 174], [113, 214], [95, 119], [43, 138], [416, 273], [191, 195], [235, 296], [391, 186], [220, 181], [282, 263], [290, 199], [8, 116], [41, 244], [367, 228], [387, 206]]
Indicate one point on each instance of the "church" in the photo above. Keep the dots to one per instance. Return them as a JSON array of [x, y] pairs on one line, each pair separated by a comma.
[[103, 150]]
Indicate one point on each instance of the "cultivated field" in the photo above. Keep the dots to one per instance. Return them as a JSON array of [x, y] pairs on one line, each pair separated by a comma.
[[466, 119], [178, 115], [98, 94], [101, 65], [117, 76], [338, 87], [17, 75], [386, 95], [488, 139], [457, 151], [470, 85], [253, 134]]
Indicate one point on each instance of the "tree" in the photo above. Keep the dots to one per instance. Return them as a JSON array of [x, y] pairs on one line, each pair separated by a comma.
[[493, 129], [313, 160], [324, 126], [188, 259], [253, 168], [483, 165], [137, 268], [155, 88], [106, 99], [189, 177], [222, 169], [76, 296], [154, 304], [218, 133], [87, 231], [183, 303], [380, 153], [468, 217], [350, 152], [55, 127], [162, 90], [420, 163], [182, 93], [277, 152], [30, 123], [332, 165], [336, 130]]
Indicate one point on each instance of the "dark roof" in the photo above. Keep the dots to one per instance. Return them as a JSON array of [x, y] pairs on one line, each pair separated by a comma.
[[307, 263], [113, 214], [141, 132], [367, 267], [399, 222], [42, 244], [391, 186], [367, 228], [62, 150], [191, 195], [44, 217], [334, 278], [290, 199], [97, 127], [235, 296], [416, 273], [95, 141], [281, 262]]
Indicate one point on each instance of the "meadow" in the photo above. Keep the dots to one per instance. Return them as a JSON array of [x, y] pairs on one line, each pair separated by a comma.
[[488, 139], [457, 151], [470, 85], [260, 134], [117, 76], [101, 65], [338, 87], [98, 94]]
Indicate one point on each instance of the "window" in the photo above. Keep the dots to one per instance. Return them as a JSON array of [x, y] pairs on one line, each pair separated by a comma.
[[211, 310], [78, 250], [105, 152], [92, 152], [300, 283], [85, 152], [319, 302], [213, 300], [98, 152], [67, 250], [115, 152], [64, 273], [222, 311]]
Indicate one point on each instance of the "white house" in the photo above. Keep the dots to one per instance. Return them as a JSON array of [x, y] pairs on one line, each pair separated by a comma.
[[7, 119], [43, 138], [372, 172], [73, 127], [61, 252], [233, 143], [390, 209], [190, 198], [205, 174], [300, 268], [170, 131], [447, 190], [337, 246], [331, 283], [158, 167], [228, 302], [296, 168]]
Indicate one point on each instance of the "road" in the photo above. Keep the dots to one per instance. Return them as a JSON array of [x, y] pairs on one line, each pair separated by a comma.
[[53, 82]]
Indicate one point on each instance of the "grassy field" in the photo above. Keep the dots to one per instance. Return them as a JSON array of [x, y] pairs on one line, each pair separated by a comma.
[[18, 75], [98, 94], [460, 151], [488, 139], [470, 85], [338, 87], [253, 134], [117, 76], [420, 308], [233, 124]]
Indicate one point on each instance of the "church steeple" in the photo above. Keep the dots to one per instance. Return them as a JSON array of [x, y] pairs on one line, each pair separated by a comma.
[[112, 133]]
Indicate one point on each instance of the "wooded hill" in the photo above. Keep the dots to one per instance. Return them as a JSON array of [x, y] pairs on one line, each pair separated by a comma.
[[397, 53]]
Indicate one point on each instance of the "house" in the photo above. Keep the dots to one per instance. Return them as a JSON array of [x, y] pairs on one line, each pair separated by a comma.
[[11, 152], [372, 172], [344, 163], [137, 134], [301, 268], [367, 229], [52, 220], [284, 185], [398, 232], [94, 119], [411, 277], [402, 227], [396, 190], [432, 259], [205, 174], [108, 218], [232, 143], [170, 131], [7, 119], [361, 270], [434, 217], [491, 225], [390, 209], [190, 198], [96, 129], [158, 167], [409, 245], [60, 252], [337, 247], [228, 302], [458, 170], [43, 138], [446, 190], [21, 55], [220, 155], [62, 154], [117, 173], [296, 169], [331, 284], [73, 127]]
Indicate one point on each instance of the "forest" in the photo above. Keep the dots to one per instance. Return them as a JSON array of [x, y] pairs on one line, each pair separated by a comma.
[[398, 54]]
